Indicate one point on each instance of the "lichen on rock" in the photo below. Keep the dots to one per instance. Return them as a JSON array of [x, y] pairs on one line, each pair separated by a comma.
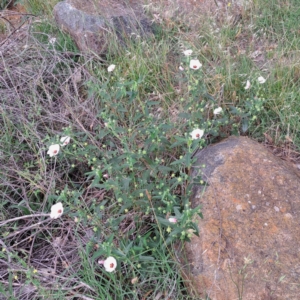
[[249, 240]]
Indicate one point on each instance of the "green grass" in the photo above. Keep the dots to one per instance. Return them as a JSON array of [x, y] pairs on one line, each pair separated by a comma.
[[39, 8], [127, 167]]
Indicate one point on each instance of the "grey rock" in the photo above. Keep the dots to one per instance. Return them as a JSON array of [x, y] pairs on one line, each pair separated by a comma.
[[95, 24]]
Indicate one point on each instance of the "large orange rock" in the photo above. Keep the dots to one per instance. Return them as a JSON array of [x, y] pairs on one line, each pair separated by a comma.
[[249, 244]]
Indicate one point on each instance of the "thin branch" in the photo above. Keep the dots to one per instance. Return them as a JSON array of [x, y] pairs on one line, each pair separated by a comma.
[[14, 31], [80, 296], [23, 217], [79, 285], [15, 13], [10, 23], [26, 228]]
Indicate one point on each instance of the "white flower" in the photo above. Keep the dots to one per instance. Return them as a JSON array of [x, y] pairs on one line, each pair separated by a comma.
[[172, 220], [111, 68], [188, 52], [109, 264], [65, 140], [248, 85], [53, 150], [261, 79], [218, 111], [197, 134], [56, 210], [52, 40], [181, 68], [134, 280], [195, 64]]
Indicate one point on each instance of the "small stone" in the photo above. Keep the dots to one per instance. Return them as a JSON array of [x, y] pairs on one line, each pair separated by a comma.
[[239, 207]]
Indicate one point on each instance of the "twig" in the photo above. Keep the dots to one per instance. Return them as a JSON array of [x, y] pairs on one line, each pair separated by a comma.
[[22, 241], [10, 23], [16, 284], [79, 285], [80, 296], [15, 13], [8, 37], [216, 3], [23, 217], [31, 248], [26, 228], [46, 288]]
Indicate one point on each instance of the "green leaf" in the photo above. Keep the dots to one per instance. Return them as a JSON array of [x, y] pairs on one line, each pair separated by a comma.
[[24, 209], [125, 183], [194, 226], [163, 221], [184, 115], [98, 253], [177, 212], [146, 258], [245, 124]]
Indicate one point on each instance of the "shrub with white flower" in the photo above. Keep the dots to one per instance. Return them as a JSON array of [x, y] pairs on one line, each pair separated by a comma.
[[56, 210], [111, 68], [188, 52], [53, 150], [261, 79], [248, 85], [218, 111], [197, 134], [109, 264], [65, 140], [195, 64]]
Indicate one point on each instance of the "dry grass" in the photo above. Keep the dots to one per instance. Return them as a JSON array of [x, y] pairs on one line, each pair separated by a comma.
[[45, 92], [40, 95]]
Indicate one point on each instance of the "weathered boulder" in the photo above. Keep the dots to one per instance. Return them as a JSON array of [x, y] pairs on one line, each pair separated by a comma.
[[249, 244], [94, 23]]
